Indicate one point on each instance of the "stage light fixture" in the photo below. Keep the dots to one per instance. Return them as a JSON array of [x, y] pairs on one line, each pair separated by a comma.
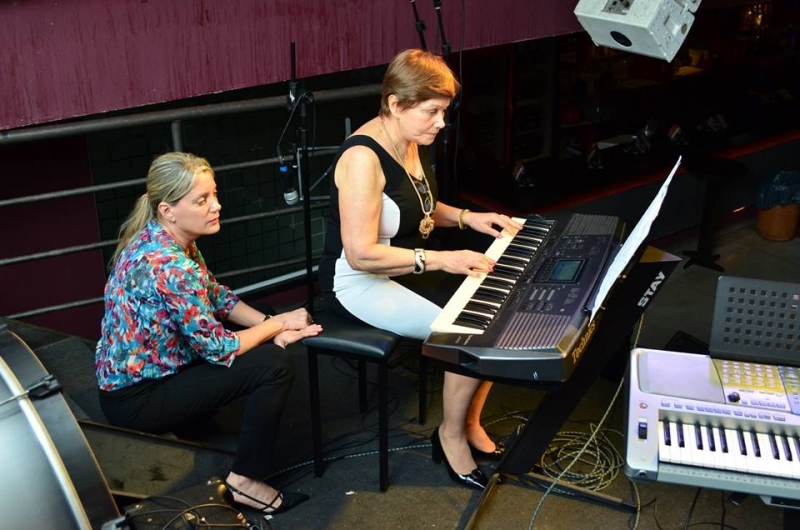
[[656, 28]]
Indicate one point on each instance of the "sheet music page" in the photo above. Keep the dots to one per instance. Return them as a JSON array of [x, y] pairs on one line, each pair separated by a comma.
[[632, 244]]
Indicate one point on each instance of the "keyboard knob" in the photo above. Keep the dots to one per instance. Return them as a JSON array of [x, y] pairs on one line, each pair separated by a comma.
[[734, 397]]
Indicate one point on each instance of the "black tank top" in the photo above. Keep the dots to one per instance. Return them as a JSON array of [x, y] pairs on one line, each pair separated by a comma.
[[398, 188]]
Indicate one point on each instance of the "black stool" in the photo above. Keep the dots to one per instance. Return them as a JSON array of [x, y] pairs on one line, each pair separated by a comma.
[[715, 171], [346, 338]]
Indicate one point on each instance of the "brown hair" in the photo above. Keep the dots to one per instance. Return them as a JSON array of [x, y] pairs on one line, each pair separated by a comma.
[[415, 76]]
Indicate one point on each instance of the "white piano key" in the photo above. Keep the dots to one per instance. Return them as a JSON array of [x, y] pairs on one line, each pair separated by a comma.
[[714, 457], [769, 463], [445, 321], [737, 450], [694, 453]]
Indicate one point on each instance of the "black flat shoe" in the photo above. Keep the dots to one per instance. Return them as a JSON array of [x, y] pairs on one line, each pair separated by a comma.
[[493, 456], [288, 501], [475, 480]]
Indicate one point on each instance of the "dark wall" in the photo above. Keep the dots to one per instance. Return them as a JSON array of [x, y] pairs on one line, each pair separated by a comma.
[[38, 168], [74, 59]]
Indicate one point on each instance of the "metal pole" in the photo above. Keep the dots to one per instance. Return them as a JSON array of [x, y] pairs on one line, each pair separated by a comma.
[[28, 134], [177, 135]]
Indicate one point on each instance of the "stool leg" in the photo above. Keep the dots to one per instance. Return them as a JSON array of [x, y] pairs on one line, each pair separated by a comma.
[[423, 389], [383, 424], [362, 386], [316, 415]]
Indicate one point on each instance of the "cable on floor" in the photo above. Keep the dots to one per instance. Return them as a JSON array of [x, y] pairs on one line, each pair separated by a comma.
[[599, 459]]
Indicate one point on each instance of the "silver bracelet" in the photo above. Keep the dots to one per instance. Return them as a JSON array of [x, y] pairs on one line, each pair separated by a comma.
[[419, 260]]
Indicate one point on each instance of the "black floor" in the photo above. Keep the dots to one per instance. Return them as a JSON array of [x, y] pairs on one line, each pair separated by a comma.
[[421, 494]]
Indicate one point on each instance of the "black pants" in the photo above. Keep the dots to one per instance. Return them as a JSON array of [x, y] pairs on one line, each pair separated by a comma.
[[263, 374]]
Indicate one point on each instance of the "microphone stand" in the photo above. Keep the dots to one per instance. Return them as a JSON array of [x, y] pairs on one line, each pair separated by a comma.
[[419, 24], [301, 99], [449, 187]]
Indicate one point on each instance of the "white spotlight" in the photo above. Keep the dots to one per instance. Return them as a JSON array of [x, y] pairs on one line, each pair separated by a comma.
[[656, 28]]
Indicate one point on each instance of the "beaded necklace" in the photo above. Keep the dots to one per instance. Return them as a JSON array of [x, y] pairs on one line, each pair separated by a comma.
[[426, 224]]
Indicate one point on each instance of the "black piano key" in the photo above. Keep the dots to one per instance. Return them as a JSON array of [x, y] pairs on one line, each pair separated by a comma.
[[496, 284], [500, 267], [503, 293], [698, 437], [487, 295], [512, 251], [500, 280], [517, 255], [742, 446], [667, 434], [530, 228], [679, 428], [540, 229], [710, 437], [773, 444], [513, 261], [480, 307], [477, 316], [504, 274], [468, 323], [786, 449], [528, 239], [754, 441], [723, 440], [474, 317]]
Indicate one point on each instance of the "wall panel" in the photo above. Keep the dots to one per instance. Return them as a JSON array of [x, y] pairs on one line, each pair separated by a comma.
[[63, 60]]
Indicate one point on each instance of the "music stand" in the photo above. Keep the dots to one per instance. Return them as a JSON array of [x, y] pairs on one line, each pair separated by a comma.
[[756, 320]]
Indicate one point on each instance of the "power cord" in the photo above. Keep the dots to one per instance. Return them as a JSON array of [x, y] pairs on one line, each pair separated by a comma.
[[576, 453], [577, 456]]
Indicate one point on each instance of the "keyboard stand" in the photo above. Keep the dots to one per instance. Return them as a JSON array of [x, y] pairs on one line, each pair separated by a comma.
[[607, 347]]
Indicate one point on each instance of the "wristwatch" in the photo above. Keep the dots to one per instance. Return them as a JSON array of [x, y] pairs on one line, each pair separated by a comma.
[[419, 260]]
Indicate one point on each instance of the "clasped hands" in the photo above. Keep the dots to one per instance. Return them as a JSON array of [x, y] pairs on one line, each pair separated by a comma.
[[299, 324]]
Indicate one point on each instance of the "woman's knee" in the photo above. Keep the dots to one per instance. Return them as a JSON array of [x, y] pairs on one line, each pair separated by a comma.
[[271, 364]]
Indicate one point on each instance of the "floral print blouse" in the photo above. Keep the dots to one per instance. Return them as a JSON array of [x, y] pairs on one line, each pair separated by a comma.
[[163, 310]]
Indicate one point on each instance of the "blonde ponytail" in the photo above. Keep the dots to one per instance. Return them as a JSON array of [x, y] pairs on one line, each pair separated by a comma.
[[171, 176]]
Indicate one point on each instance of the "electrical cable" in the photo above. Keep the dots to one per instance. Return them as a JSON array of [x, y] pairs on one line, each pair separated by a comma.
[[193, 510], [577, 455], [180, 515], [295, 105], [691, 508], [598, 454]]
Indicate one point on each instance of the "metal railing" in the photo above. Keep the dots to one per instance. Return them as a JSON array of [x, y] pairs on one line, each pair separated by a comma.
[[175, 118]]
